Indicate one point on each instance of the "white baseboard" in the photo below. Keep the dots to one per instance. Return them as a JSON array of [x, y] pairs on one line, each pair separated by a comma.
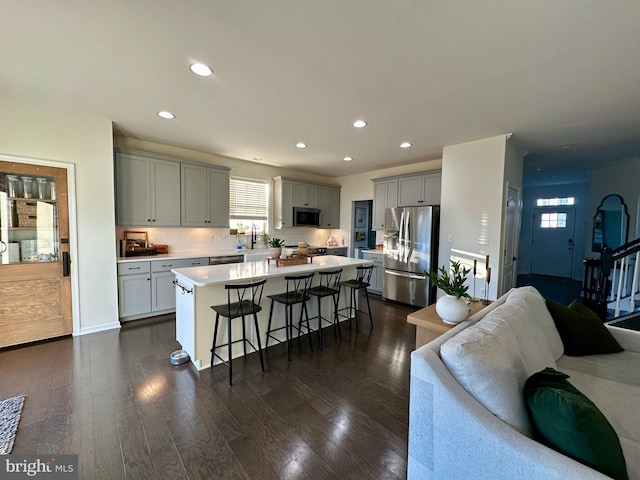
[[98, 328]]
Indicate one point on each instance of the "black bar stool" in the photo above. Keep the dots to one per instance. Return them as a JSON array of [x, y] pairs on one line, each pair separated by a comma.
[[242, 300], [361, 282], [297, 292], [329, 287]]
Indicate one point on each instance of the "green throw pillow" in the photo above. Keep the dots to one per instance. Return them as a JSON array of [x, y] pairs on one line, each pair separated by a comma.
[[581, 330], [570, 423]]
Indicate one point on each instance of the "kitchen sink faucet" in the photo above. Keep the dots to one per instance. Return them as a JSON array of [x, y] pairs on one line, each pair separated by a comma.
[[254, 235]]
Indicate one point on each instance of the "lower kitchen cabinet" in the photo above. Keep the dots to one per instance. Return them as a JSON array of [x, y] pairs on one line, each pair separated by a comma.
[[146, 288], [134, 294], [377, 276]]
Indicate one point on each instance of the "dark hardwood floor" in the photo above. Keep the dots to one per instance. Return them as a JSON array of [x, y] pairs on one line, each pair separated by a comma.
[[114, 399]]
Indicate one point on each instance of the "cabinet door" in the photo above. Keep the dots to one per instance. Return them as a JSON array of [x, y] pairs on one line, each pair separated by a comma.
[[133, 190], [305, 195], [163, 294], [194, 196], [379, 276], [431, 189], [287, 204], [329, 205], [385, 195], [218, 185], [165, 193], [134, 294], [410, 191]]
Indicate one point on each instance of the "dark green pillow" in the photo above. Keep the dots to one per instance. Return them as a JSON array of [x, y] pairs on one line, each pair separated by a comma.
[[570, 423], [581, 330]]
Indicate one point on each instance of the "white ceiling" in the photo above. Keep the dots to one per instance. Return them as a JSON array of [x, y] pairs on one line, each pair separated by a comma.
[[434, 73]]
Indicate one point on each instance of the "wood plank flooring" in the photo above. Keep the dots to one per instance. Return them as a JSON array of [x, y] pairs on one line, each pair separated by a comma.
[[114, 399]]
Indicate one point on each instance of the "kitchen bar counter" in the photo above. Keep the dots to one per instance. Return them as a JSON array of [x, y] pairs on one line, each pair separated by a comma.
[[196, 254], [201, 287]]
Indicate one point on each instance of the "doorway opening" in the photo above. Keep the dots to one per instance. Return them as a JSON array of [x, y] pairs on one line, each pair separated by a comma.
[[362, 235]]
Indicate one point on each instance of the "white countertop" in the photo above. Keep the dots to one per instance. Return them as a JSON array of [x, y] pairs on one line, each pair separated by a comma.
[[220, 274], [377, 252], [181, 255]]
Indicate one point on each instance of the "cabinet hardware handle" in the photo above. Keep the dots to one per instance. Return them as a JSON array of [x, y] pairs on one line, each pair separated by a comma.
[[134, 268], [148, 279], [148, 219], [170, 265], [66, 262]]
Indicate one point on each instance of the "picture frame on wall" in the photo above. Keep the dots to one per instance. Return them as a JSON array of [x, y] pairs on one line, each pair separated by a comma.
[[360, 236], [360, 217]]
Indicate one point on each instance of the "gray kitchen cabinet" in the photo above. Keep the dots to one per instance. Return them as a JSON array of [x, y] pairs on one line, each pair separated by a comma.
[[329, 205], [418, 190], [205, 196], [146, 288], [147, 191], [338, 251], [288, 193], [305, 195], [385, 195], [377, 275], [134, 289]]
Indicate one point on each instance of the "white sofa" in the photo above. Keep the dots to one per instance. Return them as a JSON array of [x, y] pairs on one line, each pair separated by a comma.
[[486, 434]]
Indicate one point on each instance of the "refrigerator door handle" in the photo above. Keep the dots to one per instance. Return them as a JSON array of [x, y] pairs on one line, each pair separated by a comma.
[[412, 276], [400, 237], [407, 250]]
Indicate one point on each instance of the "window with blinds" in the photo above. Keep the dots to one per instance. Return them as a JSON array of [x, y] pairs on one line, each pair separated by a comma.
[[248, 203]]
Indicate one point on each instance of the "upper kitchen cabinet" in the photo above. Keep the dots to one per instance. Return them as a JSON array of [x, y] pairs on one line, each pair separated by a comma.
[[205, 196], [305, 195], [418, 190], [147, 190], [329, 205], [289, 193], [385, 195]]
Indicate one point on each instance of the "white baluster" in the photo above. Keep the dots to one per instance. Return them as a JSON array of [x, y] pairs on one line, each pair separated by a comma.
[[616, 312], [634, 284]]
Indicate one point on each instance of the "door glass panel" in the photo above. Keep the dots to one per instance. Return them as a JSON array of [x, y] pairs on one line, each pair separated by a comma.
[[28, 218]]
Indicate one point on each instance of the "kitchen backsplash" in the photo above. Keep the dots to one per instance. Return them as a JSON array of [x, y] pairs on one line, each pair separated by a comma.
[[202, 239]]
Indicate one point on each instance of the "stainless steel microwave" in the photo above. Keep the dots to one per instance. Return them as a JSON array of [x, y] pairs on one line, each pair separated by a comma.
[[306, 217]]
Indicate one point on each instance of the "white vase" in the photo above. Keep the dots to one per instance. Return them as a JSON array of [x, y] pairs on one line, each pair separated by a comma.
[[452, 310], [275, 252]]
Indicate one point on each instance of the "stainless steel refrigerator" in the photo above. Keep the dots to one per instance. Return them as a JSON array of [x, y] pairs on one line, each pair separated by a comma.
[[410, 248]]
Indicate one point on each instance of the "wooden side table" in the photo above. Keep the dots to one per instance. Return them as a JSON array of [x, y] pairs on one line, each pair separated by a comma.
[[430, 326]]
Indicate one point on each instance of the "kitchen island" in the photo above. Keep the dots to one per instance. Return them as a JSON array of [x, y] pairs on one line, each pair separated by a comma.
[[200, 287]]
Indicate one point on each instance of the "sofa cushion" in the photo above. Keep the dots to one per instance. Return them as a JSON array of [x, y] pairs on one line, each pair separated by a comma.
[[572, 424], [582, 333], [491, 369], [540, 315]]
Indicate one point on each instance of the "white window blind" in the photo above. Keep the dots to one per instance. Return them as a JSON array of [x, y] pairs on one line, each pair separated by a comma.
[[248, 199]]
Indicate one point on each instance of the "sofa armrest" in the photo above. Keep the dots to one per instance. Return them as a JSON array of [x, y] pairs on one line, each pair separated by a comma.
[[628, 339], [453, 436]]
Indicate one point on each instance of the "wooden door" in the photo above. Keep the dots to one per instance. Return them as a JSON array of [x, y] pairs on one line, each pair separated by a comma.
[[35, 282], [511, 229]]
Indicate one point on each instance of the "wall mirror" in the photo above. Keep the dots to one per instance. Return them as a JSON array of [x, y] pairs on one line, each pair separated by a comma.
[[610, 223]]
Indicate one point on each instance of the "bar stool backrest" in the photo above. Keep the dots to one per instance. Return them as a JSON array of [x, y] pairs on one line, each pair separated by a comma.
[[246, 295], [363, 275], [330, 280], [298, 287]]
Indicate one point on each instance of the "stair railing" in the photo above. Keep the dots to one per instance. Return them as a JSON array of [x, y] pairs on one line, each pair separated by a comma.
[[615, 271]]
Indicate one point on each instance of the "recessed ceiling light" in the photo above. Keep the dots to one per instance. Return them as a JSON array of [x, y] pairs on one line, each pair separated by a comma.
[[301, 145], [405, 145], [201, 69], [165, 114], [359, 124], [347, 159]]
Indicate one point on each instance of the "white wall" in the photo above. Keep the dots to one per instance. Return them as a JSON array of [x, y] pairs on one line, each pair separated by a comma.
[[622, 178], [582, 234], [33, 132], [473, 183]]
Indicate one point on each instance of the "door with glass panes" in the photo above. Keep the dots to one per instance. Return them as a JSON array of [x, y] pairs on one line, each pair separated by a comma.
[[35, 282]]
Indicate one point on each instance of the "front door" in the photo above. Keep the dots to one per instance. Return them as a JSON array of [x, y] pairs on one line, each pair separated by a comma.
[[35, 286], [552, 248]]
